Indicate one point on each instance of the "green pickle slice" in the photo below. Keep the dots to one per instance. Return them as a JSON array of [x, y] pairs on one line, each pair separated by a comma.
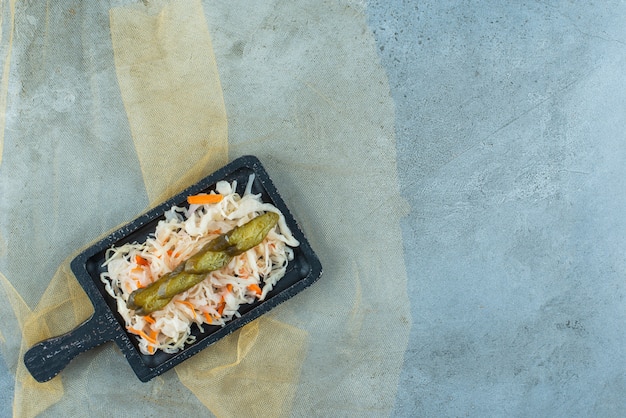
[[213, 256]]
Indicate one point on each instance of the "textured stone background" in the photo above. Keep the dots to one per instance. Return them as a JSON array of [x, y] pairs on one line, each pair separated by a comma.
[[511, 148], [511, 152]]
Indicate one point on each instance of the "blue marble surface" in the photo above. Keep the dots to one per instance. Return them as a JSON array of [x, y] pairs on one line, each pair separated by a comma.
[[511, 153], [6, 389]]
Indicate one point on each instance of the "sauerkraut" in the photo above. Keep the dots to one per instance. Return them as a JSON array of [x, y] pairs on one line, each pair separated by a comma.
[[214, 301]]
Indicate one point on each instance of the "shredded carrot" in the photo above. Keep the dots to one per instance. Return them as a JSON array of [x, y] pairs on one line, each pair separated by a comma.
[[189, 305], [208, 318], [204, 199], [173, 254], [229, 287], [153, 335], [255, 288], [141, 261], [142, 334], [137, 270], [149, 319], [217, 231], [220, 307]]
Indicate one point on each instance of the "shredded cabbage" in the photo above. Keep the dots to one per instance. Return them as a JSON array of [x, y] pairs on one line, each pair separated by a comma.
[[217, 299]]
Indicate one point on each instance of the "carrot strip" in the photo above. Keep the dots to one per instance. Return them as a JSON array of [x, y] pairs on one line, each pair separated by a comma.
[[188, 304], [142, 334], [220, 308], [229, 287], [153, 335], [255, 288], [149, 319], [141, 261], [208, 318], [204, 199]]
